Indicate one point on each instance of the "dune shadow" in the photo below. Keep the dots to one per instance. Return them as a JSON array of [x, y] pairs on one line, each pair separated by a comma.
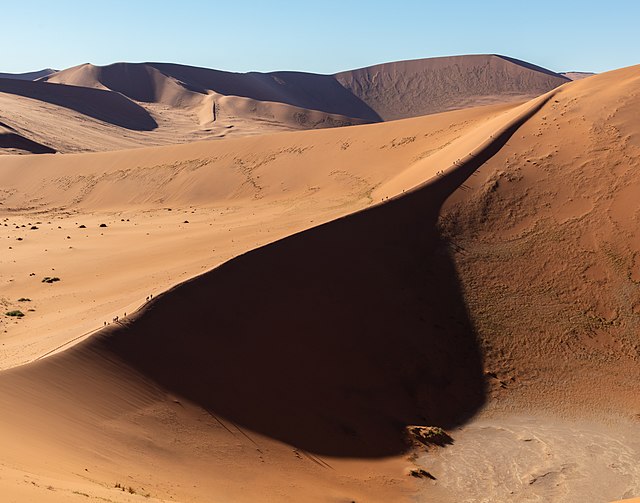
[[333, 340], [300, 89], [104, 105], [14, 140]]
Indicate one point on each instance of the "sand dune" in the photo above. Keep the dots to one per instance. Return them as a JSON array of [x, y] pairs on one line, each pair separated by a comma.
[[179, 101], [473, 270], [315, 302], [236, 195], [172, 84], [546, 234], [137, 81], [28, 75], [388, 91], [168, 111], [425, 86], [103, 105], [13, 142], [577, 75]]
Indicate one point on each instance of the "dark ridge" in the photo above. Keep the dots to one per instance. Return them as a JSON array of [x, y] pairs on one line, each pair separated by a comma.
[[107, 106], [14, 140], [28, 75], [410, 88], [305, 90], [531, 66], [333, 340], [137, 81]]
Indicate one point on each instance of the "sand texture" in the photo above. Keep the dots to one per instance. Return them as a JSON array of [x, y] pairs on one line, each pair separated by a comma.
[[128, 105], [273, 317]]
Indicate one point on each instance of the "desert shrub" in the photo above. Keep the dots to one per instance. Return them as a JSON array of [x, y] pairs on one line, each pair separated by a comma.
[[17, 313], [429, 435], [47, 279]]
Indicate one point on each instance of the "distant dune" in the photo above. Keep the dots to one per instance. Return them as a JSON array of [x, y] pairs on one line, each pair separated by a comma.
[[104, 105], [577, 75], [263, 318], [172, 84], [426, 86], [184, 103], [13, 142], [382, 92], [28, 75]]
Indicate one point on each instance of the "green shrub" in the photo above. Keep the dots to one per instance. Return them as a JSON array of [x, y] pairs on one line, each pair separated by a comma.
[[16, 313]]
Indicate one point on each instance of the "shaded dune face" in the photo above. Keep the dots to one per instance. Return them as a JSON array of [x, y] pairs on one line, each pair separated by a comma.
[[28, 75], [103, 105], [306, 90], [9, 138], [332, 340], [550, 271], [15, 141], [137, 81], [426, 86]]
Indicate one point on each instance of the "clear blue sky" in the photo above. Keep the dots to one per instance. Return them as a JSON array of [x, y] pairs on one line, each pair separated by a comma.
[[324, 36]]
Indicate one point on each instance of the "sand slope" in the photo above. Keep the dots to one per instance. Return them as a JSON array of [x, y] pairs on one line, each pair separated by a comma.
[[387, 91], [546, 240], [173, 84], [577, 75], [13, 142], [236, 195], [184, 103], [325, 419], [501, 282], [104, 105], [28, 75], [424, 86]]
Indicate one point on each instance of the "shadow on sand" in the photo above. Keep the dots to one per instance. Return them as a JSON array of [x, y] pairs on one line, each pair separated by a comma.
[[332, 340], [100, 104]]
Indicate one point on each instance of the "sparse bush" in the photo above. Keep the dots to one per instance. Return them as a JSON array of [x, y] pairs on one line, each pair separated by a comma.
[[47, 279], [429, 435], [17, 313], [24, 299]]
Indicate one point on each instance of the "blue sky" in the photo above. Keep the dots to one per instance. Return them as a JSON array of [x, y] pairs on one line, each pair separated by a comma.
[[325, 36]]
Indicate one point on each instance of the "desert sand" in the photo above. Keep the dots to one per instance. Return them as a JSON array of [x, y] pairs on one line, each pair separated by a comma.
[[295, 300], [127, 105], [28, 75]]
